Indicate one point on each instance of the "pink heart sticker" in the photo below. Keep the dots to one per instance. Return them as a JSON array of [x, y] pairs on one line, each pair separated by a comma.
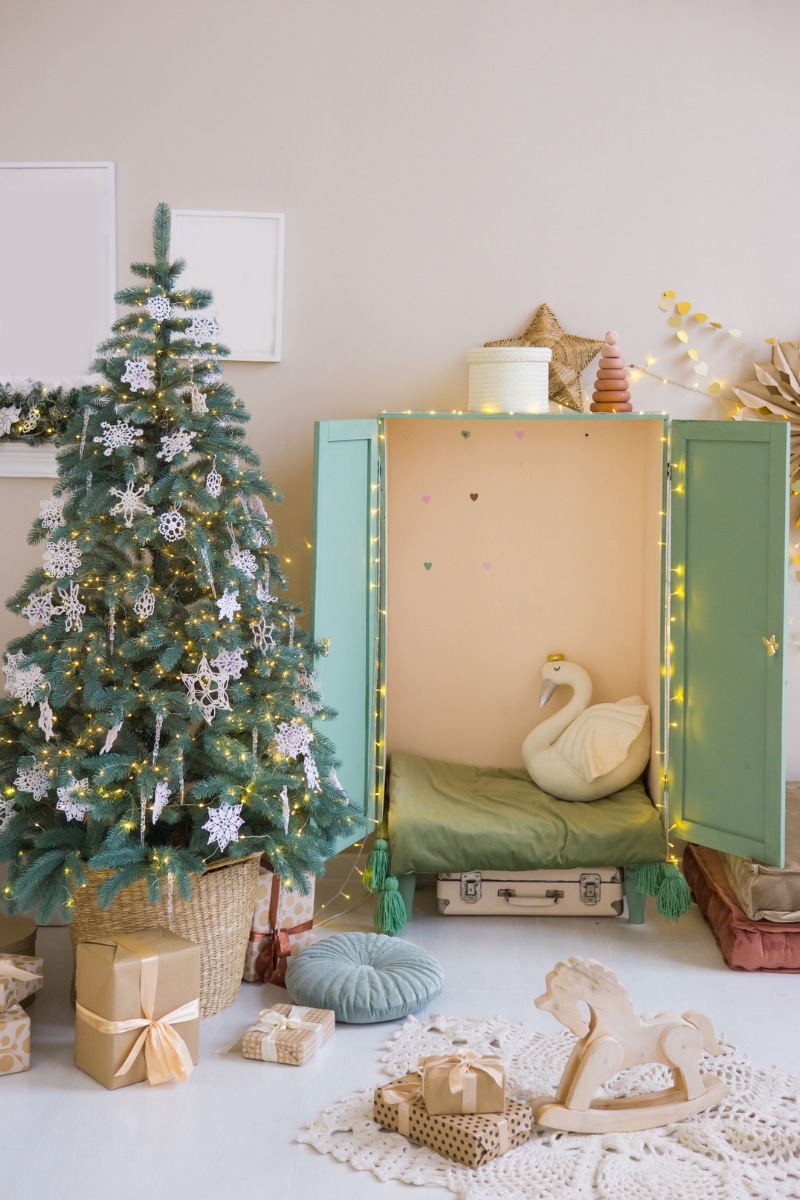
[[426, 499], [486, 566], [519, 433]]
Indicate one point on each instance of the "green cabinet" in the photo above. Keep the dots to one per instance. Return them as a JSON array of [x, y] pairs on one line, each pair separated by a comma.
[[452, 552]]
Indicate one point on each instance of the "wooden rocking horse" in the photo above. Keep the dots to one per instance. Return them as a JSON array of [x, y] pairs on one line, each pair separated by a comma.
[[615, 1038]]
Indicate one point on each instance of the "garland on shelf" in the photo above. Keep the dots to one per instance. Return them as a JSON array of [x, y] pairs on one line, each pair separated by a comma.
[[35, 412]]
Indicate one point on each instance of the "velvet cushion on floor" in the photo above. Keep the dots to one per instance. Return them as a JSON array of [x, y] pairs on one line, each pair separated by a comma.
[[745, 945], [364, 977]]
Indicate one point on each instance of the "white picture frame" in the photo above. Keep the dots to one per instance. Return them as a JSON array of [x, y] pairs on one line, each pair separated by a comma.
[[58, 254], [238, 256]]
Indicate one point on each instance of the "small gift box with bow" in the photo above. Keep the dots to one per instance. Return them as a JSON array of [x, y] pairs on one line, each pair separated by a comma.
[[20, 978], [469, 1138], [287, 1033], [463, 1083], [282, 925], [138, 1007]]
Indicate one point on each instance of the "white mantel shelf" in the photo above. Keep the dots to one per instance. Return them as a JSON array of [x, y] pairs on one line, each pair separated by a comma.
[[27, 462]]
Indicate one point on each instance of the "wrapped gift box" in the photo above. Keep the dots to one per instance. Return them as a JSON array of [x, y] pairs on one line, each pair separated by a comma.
[[463, 1083], [288, 1033], [282, 925], [16, 986], [15, 1040], [137, 1010], [471, 1138]]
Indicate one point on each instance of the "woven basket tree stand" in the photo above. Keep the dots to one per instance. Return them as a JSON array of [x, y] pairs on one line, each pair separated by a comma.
[[217, 917]]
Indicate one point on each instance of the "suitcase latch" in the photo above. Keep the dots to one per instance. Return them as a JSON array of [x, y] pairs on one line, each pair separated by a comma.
[[471, 887], [590, 888]]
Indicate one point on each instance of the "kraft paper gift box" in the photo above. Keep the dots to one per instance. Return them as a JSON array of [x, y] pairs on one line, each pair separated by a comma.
[[20, 978], [15, 1041], [137, 1007], [463, 1083], [470, 1138], [288, 1033], [282, 925]]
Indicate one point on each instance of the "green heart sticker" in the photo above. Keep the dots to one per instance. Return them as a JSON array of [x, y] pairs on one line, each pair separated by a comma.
[[427, 566], [465, 433]]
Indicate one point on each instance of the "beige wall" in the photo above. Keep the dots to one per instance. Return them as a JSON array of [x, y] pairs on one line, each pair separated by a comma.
[[444, 166]]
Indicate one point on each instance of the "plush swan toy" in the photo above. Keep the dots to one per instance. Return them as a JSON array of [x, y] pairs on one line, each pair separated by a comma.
[[582, 752]]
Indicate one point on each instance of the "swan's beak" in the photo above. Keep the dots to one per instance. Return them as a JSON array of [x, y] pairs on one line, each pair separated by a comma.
[[548, 687]]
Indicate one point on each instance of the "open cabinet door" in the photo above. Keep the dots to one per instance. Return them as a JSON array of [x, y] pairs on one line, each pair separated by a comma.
[[729, 547], [344, 599]]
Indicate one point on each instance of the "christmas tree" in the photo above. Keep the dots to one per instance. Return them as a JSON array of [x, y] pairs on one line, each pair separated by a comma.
[[162, 712]]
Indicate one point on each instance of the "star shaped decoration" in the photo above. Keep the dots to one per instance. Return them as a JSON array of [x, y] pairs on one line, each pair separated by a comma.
[[207, 689], [571, 354]]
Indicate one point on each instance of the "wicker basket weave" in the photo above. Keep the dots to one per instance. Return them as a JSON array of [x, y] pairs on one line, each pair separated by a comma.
[[218, 918]]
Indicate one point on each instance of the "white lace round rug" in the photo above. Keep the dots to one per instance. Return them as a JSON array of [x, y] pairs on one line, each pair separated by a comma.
[[747, 1148]]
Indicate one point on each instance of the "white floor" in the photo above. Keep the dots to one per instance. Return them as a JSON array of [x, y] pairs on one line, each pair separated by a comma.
[[230, 1130]]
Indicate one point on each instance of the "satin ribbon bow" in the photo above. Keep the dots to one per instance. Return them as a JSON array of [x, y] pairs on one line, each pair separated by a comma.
[[9, 971], [166, 1054], [463, 1073], [403, 1094], [272, 1023]]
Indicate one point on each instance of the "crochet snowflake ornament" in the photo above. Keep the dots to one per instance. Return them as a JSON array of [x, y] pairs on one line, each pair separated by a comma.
[[285, 814], [172, 525], [160, 799], [230, 663], [7, 418], [45, 721], [198, 400], [73, 809], [263, 593], [159, 308], [131, 503], [72, 608], [40, 609], [30, 422], [33, 780], [228, 604], [243, 561], [207, 689], [175, 443], [111, 736], [7, 811], [202, 329], [223, 824], [23, 683], [121, 433], [138, 375], [62, 558], [293, 738], [145, 603], [263, 638], [213, 482], [52, 512]]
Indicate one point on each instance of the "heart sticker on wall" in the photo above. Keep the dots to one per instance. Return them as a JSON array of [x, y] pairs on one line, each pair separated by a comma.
[[426, 499], [473, 495], [427, 566], [487, 566], [519, 433], [465, 433]]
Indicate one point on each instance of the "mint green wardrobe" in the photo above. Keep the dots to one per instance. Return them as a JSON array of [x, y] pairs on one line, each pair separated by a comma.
[[716, 633]]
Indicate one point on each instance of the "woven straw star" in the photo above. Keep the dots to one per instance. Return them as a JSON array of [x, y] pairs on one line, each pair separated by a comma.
[[571, 354]]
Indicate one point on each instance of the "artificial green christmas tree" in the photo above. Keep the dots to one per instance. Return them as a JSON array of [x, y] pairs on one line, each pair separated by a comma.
[[163, 712]]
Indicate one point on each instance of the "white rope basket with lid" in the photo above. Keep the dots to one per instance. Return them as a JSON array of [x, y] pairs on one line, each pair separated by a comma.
[[508, 379]]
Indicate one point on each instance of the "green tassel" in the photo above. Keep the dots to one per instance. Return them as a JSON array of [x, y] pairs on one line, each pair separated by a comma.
[[390, 911], [377, 867], [674, 897], [649, 877]]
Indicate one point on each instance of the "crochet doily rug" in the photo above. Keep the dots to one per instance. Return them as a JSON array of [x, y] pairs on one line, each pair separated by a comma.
[[747, 1148]]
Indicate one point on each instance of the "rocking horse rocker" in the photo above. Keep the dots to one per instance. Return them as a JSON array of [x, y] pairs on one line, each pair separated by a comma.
[[616, 1038]]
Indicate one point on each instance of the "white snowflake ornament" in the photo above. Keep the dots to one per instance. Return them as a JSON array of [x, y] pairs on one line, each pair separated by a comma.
[[160, 799], [312, 774], [111, 736], [73, 809], [207, 689], [172, 525], [214, 481], [7, 811], [293, 738], [121, 433], [40, 609], [145, 603], [30, 422], [139, 375], [7, 418], [263, 638], [25, 683], [52, 514], [33, 780], [131, 503], [175, 443], [223, 824], [228, 604], [159, 308], [45, 721], [198, 400], [263, 593], [202, 329], [243, 561], [231, 663], [62, 558], [285, 808], [72, 608]]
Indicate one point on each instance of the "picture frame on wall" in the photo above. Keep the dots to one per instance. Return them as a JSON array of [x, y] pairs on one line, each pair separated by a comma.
[[58, 250], [238, 256]]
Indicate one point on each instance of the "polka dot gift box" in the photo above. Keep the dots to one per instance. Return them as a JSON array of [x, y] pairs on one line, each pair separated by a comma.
[[282, 926], [472, 1139], [15, 1041]]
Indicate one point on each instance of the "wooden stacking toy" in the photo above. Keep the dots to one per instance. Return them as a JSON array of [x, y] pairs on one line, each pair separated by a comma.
[[611, 392]]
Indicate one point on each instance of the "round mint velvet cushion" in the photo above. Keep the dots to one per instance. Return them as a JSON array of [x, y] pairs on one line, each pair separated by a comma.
[[364, 977]]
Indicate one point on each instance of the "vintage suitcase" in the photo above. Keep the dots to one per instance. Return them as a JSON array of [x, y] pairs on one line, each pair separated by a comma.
[[579, 892]]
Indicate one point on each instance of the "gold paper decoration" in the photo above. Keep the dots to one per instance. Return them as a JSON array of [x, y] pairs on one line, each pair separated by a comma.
[[571, 354], [774, 395]]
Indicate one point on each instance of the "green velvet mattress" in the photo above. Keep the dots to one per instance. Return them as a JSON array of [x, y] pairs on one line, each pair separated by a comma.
[[447, 817]]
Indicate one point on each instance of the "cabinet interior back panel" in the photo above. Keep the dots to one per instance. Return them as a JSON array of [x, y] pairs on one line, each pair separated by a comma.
[[508, 540]]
